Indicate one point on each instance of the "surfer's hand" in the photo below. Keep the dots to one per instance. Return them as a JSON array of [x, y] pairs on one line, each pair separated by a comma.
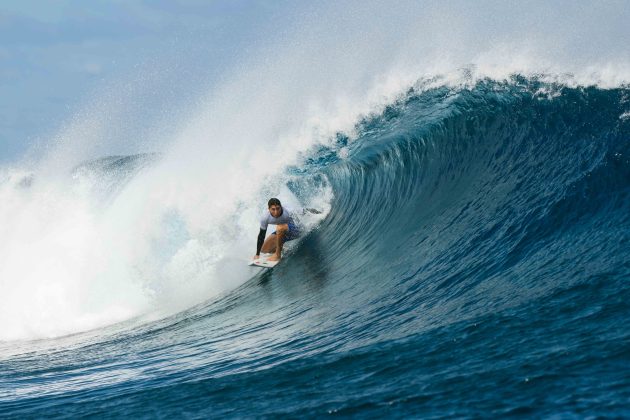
[[256, 257]]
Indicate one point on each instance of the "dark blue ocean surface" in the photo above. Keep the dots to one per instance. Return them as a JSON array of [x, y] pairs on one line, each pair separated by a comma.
[[476, 262]]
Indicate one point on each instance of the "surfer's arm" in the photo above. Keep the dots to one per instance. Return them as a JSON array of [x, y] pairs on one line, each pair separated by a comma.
[[261, 240]]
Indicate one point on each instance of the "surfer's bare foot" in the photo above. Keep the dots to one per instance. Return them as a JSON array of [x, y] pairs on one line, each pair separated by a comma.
[[274, 257]]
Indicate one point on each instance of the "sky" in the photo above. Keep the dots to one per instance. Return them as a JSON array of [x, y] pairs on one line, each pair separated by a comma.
[[56, 56], [61, 60]]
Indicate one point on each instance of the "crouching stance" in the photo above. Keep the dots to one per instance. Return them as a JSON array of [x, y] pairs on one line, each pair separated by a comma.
[[287, 229]]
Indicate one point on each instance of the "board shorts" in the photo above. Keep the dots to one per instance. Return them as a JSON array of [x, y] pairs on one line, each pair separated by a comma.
[[292, 233]]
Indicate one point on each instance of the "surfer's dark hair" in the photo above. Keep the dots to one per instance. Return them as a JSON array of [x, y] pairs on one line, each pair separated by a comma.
[[273, 202]]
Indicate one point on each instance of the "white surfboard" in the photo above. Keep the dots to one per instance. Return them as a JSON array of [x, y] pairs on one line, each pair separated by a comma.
[[262, 262]]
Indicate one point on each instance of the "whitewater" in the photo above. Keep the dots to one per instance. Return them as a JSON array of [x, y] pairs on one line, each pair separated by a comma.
[[472, 166]]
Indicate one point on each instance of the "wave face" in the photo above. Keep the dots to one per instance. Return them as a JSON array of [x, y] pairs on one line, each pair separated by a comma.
[[474, 261]]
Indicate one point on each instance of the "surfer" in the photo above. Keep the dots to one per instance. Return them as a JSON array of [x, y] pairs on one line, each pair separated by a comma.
[[287, 229]]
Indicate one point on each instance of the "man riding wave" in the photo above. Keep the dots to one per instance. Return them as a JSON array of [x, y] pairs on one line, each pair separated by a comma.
[[287, 229]]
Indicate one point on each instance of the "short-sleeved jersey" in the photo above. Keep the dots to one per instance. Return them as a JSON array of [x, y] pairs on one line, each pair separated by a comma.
[[288, 216]]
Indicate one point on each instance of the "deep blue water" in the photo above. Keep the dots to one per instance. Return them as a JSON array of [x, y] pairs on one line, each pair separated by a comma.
[[475, 263]]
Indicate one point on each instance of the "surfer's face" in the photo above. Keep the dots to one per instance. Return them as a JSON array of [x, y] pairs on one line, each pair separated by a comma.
[[275, 210]]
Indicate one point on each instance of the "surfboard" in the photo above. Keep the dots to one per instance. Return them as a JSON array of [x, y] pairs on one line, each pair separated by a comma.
[[262, 262]]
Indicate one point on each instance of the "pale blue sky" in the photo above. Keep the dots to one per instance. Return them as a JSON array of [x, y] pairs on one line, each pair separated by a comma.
[[54, 55]]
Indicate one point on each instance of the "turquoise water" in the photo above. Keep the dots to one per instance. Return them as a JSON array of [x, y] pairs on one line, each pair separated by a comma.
[[474, 263]]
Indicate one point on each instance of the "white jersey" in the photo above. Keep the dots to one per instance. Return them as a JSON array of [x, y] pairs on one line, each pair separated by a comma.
[[287, 217]]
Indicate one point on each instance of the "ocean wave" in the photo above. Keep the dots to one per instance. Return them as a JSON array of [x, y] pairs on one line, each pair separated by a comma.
[[475, 233]]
